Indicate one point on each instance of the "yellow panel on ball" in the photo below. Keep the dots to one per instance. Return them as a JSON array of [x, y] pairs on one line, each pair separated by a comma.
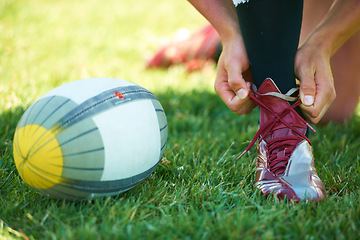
[[38, 156]]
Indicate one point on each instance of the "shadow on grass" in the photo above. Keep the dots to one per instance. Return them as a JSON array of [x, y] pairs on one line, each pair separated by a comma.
[[197, 112]]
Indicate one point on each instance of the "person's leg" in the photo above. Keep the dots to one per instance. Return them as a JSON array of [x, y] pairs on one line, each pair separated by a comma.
[[285, 169], [271, 30], [346, 71], [344, 64]]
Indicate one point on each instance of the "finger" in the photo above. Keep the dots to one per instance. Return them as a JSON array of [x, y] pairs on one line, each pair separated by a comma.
[[325, 95], [307, 85], [314, 119], [322, 103], [234, 102], [236, 81]]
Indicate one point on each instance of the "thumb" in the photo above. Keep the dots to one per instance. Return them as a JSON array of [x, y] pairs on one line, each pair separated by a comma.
[[237, 82], [307, 88]]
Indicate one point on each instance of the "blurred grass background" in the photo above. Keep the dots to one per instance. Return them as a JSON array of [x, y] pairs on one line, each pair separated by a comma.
[[46, 43], [200, 190]]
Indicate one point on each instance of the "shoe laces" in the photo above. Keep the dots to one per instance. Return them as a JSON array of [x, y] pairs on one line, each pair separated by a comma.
[[280, 148]]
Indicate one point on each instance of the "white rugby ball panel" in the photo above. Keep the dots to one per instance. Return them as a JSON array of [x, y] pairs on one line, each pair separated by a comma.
[[134, 140]]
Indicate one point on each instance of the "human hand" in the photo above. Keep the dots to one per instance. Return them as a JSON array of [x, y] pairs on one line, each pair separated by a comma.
[[317, 91], [233, 78]]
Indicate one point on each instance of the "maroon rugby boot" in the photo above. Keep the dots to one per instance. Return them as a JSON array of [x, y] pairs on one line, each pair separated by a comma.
[[285, 164]]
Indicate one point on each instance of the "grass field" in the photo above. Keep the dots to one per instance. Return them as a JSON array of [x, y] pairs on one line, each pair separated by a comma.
[[200, 190]]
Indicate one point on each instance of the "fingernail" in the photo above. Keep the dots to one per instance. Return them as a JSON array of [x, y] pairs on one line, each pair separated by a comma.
[[308, 100], [242, 93]]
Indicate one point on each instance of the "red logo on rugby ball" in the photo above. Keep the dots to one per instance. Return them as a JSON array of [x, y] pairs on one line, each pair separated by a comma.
[[119, 95]]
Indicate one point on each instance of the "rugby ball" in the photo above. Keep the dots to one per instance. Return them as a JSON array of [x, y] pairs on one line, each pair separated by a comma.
[[90, 138]]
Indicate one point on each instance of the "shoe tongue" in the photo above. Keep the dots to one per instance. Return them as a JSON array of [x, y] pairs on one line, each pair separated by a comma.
[[277, 105], [268, 86]]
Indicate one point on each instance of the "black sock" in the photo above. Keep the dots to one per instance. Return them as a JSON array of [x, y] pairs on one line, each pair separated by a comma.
[[271, 31]]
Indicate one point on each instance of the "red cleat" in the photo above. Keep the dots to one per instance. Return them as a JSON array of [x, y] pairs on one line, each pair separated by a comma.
[[193, 52], [285, 164]]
